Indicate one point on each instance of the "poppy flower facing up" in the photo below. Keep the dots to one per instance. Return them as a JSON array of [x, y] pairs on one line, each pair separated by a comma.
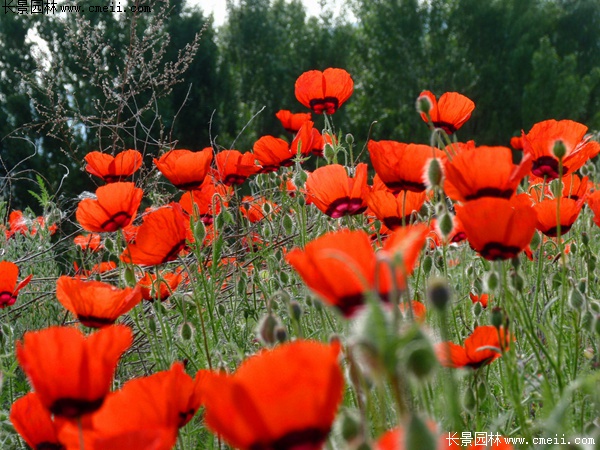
[[481, 299], [34, 423], [161, 289], [303, 141], [390, 208], [483, 346], [185, 169], [335, 193], [9, 289], [234, 167], [94, 303], [292, 122], [545, 136], [483, 172], [547, 219], [324, 92], [115, 207], [497, 228], [159, 239], [450, 112], [285, 398], [401, 166], [113, 168], [72, 373]]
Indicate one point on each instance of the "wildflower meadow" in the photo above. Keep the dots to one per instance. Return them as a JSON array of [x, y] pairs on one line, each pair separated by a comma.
[[313, 291]]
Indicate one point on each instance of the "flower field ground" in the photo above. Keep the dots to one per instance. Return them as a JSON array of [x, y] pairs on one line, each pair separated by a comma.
[[313, 292]]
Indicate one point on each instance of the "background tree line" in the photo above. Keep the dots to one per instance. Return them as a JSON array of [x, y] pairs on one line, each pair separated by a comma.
[[110, 85]]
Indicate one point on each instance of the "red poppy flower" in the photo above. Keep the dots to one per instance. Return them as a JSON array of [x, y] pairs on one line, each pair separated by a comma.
[[292, 122], [390, 208], [184, 168], [483, 172], [102, 267], [481, 299], [265, 404], [161, 289], [394, 439], [159, 239], [303, 141], [94, 303], [9, 289], [335, 193], [324, 92], [516, 142], [348, 256], [234, 167], [401, 166], [497, 228], [72, 373], [115, 207], [544, 136], [256, 209], [165, 400], [450, 112], [546, 215], [483, 346], [336, 256], [113, 168], [207, 200], [593, 201], [273, 153], [91, 242], [17, 224], [34, 423], [417, 310]]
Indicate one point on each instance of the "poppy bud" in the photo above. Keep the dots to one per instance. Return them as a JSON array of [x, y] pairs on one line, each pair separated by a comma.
[[427, 264], [418, 435], [329, 152], [186, 331], [281, 334], [595, 307], [559, 149], [288, 224], [576, 299], [349, 139], [199, 231], [152, 325], [295, 310], [446, 225], [517, 281], [266, 329], [424, 104], [585, 239], [421, 360], [469, 400], [129, 277], [597, 325], [477, 308], [497, 317], [221, 309], [434, 173], [587, 321], [492, 281], [438, 293], [535, 241]]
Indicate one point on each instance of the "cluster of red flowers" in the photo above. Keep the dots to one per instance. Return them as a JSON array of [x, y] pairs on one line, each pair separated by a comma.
[[256, 407]]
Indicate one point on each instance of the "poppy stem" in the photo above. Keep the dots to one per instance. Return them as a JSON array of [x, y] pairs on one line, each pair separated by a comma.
[[80, 430]]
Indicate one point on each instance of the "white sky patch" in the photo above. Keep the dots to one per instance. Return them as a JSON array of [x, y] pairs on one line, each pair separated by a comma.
[[313, 8]]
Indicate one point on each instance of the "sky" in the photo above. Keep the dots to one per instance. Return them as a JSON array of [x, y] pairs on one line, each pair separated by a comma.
[[218, 8]]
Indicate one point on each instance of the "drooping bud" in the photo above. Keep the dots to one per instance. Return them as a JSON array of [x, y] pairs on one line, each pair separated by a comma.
[[576, 299], [186, 331], [446, 225], [295, 310], [497, 317], [421, 360], [281, 334], [438, 293], [266, 329]]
